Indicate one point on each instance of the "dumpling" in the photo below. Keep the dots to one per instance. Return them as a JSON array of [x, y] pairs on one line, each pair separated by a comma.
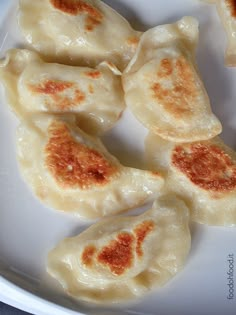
[[78, 32], [162, 85], [201, 173], [227, 13], [71, 171], [94, 95], [121, 258]]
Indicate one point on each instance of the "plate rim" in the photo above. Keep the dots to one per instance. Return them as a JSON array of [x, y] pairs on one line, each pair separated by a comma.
[[27, 301]]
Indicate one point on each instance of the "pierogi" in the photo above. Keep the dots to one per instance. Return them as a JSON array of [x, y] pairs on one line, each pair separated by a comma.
[[201, 173], [71, 171], [94, 95], [163, 88], [77, 32], [121, 258], [227, 13]]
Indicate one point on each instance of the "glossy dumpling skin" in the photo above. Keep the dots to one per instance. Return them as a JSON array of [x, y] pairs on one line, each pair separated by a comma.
[[78, 32], [71, 171], [227, 13], [121, 258], [201, 173], [163, 88], [94, 95]]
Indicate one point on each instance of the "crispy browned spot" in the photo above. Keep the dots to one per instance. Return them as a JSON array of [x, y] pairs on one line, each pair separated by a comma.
[[155, 173], [141, 231], [88, 254], [91, 23], [232, 6], [118, 254], [54, 89], [182, 95], [93, 74], [74, 7], [207, 166], [51, 87], [166, 68], [79, 96], [65, 102], [134, 40], [72, 164]]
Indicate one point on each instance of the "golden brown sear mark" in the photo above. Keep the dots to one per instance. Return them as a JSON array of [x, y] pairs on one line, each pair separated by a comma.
[[51, 87], [118, 254], [91, 23], [87, 255], [54, 89], [141, 231], [93, 74], [178, 98], [65, 102], [207, 166], [232, 6], [75, 7], [72, 164], [134, 40], [166, 68]]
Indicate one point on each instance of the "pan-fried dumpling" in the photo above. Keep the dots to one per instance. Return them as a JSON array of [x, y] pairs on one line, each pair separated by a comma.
[[201, 173], [94, 95], [78, 32], [119, 259], [162, 85], [71, 171], [227, 13]]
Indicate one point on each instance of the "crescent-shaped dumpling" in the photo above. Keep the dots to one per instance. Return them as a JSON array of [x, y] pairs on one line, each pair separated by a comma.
[[77, 32], [201, 173], [163, 88], [122, 258], [227, 13], [95, 96], [71, 171]]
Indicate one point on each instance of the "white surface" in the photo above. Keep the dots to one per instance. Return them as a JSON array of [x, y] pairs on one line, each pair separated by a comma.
[[28, 230]]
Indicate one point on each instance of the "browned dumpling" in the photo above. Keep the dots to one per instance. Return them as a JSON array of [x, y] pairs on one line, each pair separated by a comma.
[[163, 88], [227, 13], [77, 32], [94, 95], [71, 171], [121, 258], [202, 173]]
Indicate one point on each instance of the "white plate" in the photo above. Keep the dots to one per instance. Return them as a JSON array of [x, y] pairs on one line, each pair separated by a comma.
[[28, 230]]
